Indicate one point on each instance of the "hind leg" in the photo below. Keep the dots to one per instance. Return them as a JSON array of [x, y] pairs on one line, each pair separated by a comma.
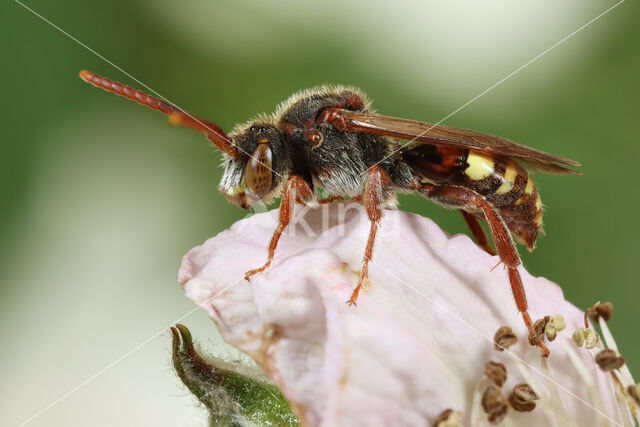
[[477, 231], [462, 197]]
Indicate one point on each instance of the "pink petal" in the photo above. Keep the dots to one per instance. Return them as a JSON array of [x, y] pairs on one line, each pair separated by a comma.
[[418, 339]]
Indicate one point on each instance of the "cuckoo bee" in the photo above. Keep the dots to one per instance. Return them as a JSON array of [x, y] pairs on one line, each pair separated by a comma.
[[328, 137]]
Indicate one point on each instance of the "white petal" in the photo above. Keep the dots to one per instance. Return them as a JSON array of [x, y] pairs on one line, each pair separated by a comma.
[[418, 339]]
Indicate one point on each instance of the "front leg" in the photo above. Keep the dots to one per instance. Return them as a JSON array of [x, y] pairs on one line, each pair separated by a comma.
[[297, 188], [373, 197]]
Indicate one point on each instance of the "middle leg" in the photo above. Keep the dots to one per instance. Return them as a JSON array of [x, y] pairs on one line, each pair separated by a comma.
[[477, 231], [373, 197]]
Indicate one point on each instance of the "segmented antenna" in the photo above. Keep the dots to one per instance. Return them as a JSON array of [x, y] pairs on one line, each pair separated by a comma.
[[176, 116]]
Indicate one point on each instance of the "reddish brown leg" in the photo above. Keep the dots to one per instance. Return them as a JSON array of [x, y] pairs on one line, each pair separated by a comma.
[[478, 232], [502, 240], [296, 189], [336, 198], [330, 199], [372, 198]]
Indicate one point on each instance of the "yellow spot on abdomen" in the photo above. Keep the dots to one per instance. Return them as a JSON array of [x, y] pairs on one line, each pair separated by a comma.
[[529, 188], [538, 219], [538, 202], [508, 179], [480, 166]]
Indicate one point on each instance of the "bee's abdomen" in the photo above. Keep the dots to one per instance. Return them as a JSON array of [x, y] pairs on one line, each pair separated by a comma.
[[508, 186], [502, 181]]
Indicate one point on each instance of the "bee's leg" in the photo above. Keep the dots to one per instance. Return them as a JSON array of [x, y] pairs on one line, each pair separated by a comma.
[[297, 188], [373, 197], [330, 199], [477, 231], [461, 197], [336, 198]]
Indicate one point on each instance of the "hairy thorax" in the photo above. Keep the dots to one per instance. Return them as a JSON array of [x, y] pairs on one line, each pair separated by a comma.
[[335, 160]]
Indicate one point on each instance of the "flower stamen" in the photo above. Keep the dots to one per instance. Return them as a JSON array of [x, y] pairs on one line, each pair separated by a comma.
[[522, 398], [504, 338], [494, 404], [496, 372]]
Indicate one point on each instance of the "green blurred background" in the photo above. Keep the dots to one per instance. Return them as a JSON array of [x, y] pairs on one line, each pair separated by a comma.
[[101, 197]]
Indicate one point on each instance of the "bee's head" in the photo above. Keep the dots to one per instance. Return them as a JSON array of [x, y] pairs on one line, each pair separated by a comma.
[[260, 168]]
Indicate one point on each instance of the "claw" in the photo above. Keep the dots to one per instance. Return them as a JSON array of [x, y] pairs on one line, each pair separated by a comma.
[[535, 340], [544, 350], [354, 296], [250, 273]]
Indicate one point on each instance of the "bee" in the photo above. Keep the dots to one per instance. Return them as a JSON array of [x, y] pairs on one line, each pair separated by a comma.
[[328, 137]]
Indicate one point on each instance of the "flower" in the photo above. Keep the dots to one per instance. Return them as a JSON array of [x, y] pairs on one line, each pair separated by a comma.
[[418, 340]]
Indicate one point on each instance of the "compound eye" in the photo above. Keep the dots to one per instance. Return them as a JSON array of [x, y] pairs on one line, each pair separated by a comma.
[[259, 174]]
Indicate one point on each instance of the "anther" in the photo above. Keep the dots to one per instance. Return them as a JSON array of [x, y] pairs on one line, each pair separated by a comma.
[[578, 337], [522, 398], [556, 323], [496, 372], [504, 338], [448, 418], [591, 338], [539, 328], [597, 311], [494, 404], [634, 392], [585, 336], [608, 360]]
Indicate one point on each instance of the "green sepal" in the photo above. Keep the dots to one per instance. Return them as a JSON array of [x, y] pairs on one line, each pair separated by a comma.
[[231, 397]]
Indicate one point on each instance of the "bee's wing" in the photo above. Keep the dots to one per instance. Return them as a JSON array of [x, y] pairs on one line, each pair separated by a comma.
[[420, 132], [548, 167]]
